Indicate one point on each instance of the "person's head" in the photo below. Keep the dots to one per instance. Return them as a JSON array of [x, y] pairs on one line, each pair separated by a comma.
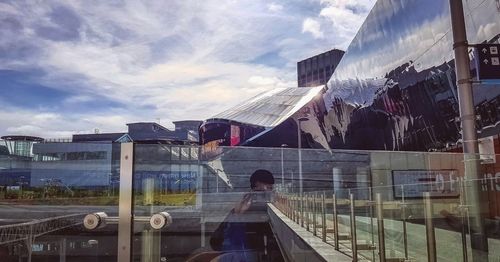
[[261, 180]]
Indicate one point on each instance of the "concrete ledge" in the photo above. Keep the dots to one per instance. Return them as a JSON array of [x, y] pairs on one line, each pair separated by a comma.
[[298, 244]]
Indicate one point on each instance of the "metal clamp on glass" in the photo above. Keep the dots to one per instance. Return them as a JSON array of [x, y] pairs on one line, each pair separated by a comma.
[[100, 220], [95, 220], [160, 220]]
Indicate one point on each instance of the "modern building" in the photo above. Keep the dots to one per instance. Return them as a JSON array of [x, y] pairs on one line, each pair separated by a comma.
[[317, 70], [393, 89], [16, 156], [86, 160], [186, 132]]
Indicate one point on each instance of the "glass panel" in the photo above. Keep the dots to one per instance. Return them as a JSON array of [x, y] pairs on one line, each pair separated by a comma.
[[429, 203], [44, 200]]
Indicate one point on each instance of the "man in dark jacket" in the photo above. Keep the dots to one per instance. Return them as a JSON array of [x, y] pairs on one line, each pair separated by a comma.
[[245, 234]]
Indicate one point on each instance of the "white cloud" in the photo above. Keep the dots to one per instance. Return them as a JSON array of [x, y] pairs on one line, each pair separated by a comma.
[[180, 60], [340, 19], [312, 26], [273, 7]]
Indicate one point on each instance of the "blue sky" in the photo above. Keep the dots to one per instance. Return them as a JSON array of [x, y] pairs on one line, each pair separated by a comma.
[[72, 66]]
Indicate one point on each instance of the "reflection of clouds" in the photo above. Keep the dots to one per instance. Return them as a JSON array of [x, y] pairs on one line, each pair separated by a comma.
[[180, 59], [488, 31], [424, 43]]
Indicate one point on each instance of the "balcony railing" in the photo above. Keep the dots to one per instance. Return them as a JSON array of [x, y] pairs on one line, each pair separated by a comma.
[[367, 205]]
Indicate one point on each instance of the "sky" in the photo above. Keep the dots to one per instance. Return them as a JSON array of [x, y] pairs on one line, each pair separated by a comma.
[[69, 67]]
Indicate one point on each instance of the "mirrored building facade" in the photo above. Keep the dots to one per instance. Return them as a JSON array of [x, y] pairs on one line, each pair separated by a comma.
[[395, 87]]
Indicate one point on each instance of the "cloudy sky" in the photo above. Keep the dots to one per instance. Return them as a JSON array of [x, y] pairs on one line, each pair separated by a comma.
[[72, 66]]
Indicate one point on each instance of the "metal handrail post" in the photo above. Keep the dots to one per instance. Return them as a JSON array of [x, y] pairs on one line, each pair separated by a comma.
[[354, 242], [380, 225], [429, 229], [323, 217], [126, 202], [302, 209], [335, 222], [307, 212], [405, 229], [314, 214]]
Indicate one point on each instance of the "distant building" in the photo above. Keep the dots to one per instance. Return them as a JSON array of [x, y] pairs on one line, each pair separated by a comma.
[[85, 160], [186, 132], [16, 154], [317, 70]]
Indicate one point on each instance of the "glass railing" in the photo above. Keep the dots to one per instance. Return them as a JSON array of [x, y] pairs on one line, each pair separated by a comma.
[[45, 198], [144, 202]]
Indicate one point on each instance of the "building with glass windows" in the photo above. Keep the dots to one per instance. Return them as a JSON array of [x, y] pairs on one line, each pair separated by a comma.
[[317, 70]]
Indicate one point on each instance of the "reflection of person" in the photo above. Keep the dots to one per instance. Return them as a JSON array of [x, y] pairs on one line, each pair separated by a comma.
[[240, 237]]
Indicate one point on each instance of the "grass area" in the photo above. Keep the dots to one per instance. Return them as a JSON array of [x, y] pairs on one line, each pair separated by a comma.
[[169, 199]]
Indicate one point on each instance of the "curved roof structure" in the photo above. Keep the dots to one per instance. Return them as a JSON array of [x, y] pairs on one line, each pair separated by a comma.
[[270, 108]]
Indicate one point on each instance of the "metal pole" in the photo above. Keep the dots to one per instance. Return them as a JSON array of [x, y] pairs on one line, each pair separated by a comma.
[[299, 135], [301, 209], [301, 189], [479, 242], [463, 219], [429, 228], [125, 205], [314, 213], [403, 217], [323, 217], [335, 222], [62, 250], [282, 170], [354, 242], [308, 211], [380, 224]]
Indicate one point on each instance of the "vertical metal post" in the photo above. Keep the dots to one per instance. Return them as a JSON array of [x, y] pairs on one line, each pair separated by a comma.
[[62, 250], [314, 213], [354, 241], [299, 137], [287, 204], [202, 234], [479, 242], [380, 225], [335, 222], [308, 211], [125, 205], [323, 217], [29, 243], [150, 238], [301, 209], [429, 228], [295, 209], [282, 170], [403, 217], [463, 219]]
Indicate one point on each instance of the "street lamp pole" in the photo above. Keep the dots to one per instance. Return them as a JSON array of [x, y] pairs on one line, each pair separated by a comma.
[[479, 241], [301, 178], [282, 168]]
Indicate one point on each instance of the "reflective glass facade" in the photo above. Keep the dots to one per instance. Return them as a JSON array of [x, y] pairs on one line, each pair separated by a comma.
[[395, 88]]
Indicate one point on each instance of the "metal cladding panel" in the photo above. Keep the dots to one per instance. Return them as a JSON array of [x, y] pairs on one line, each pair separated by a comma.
[[395, 89]]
